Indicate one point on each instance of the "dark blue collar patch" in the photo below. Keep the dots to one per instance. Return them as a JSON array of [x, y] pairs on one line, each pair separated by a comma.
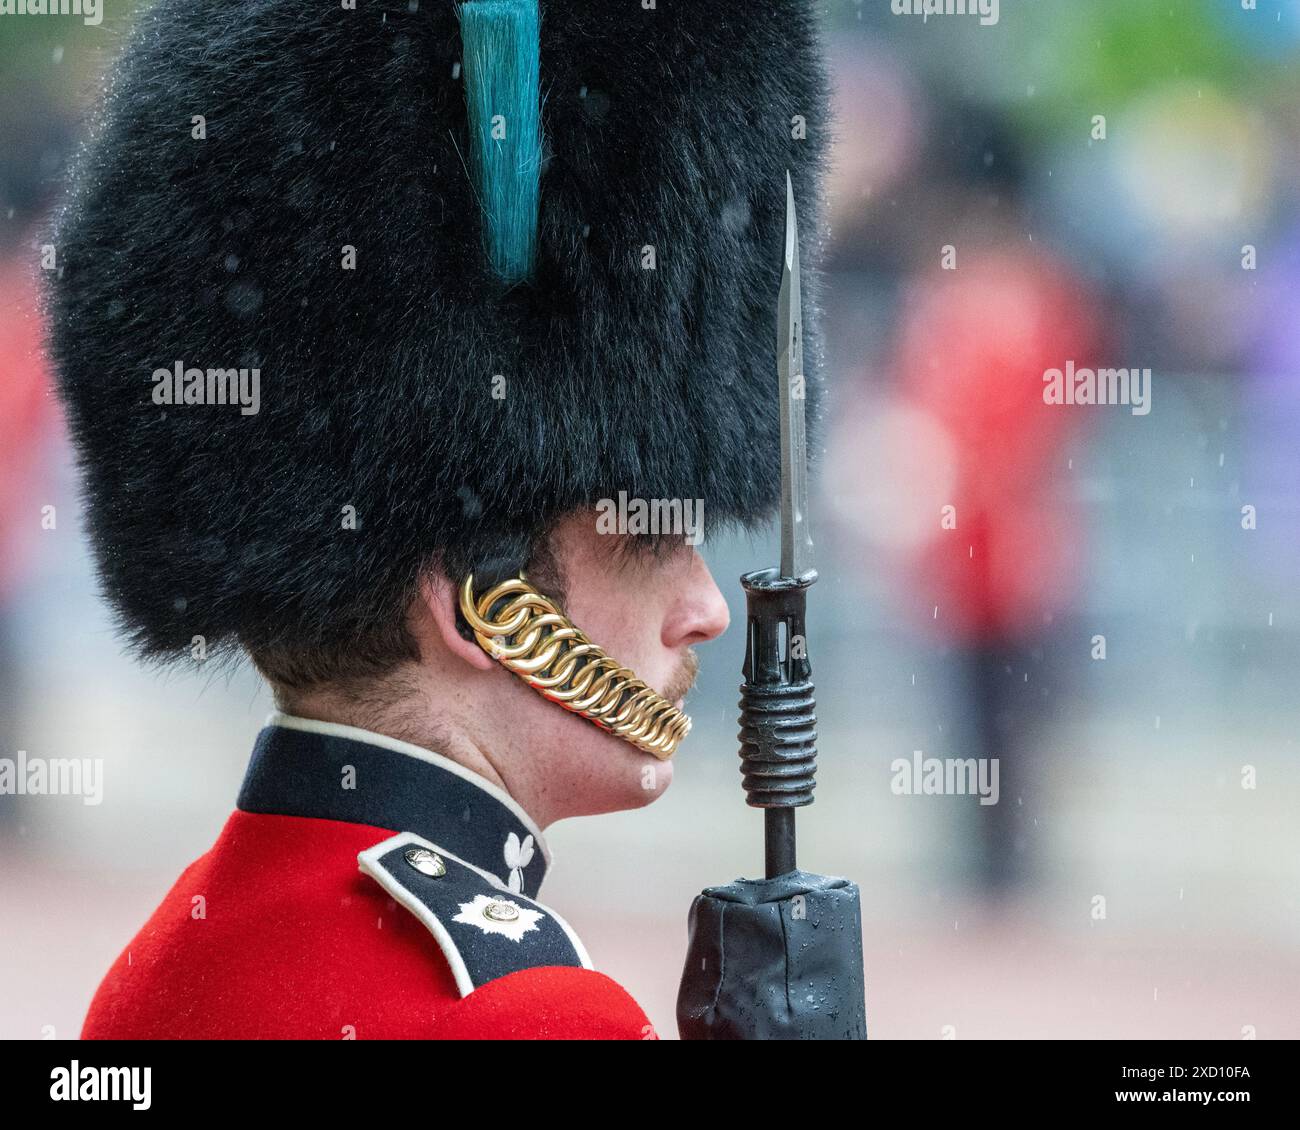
[[332, 772]]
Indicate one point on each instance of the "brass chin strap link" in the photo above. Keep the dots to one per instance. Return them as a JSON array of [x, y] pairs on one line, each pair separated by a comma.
[[526, 632]]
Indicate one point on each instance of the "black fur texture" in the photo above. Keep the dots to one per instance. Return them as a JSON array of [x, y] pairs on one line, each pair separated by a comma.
[[327, 127]]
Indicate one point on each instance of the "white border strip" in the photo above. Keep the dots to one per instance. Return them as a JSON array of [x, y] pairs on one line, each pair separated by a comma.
[[356, 734], [368, 862]]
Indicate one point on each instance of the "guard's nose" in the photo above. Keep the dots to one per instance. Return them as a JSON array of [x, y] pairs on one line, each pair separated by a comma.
[[700, 611]]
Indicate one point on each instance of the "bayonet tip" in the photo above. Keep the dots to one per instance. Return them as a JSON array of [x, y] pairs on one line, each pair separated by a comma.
[[791, 224]]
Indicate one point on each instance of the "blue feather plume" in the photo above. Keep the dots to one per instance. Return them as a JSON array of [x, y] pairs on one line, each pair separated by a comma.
[[500, 41]]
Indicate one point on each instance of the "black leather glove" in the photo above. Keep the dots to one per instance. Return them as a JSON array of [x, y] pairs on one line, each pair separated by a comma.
[[774, 959]]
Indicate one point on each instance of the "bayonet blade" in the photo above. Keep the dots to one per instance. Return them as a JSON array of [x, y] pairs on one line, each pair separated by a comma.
[[796, 539]]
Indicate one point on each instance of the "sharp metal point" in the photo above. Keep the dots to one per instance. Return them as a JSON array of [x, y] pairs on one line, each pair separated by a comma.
[[796, 540]]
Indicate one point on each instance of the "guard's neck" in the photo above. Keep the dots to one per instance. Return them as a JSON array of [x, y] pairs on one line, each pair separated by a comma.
[[410, 713]]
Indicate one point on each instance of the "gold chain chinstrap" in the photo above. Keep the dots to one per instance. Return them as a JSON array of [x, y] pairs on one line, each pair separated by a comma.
[[529, 634]]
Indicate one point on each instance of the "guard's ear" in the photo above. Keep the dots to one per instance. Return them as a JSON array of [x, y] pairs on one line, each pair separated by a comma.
[[442, 598]]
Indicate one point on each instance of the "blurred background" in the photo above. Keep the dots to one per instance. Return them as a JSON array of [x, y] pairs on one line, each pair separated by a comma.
[[1109, 183]]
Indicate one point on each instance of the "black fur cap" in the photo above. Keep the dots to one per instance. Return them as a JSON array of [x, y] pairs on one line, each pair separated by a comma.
[[669, 127]]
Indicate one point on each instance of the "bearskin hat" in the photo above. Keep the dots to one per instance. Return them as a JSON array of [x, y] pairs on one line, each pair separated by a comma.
[[288, 188]]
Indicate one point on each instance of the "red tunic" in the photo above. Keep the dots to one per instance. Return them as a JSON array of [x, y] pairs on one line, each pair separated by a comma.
[[275, 932]]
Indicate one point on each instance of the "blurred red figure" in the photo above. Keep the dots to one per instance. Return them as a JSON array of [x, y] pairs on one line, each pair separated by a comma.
[[963, 480], [25, 416], [974, 345]]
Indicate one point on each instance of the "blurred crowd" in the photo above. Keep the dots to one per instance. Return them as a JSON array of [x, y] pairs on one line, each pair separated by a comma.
[[1081, 184]]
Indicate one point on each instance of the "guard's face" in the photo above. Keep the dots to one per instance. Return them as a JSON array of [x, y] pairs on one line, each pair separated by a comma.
[[647, 611]]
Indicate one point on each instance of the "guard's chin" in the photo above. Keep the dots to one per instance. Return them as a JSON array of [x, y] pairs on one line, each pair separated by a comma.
[[664, 770], [652, 781]]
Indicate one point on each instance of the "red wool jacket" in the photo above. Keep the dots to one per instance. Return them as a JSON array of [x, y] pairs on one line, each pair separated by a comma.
[[365, 889]]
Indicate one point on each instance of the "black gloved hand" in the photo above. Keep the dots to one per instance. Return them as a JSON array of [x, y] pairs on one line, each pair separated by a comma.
[[774, 959]]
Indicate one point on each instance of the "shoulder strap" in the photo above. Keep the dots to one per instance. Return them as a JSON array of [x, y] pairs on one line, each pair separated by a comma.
[[485, 930]]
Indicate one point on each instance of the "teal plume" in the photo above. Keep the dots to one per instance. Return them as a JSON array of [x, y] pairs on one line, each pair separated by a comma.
[[500, 42]]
